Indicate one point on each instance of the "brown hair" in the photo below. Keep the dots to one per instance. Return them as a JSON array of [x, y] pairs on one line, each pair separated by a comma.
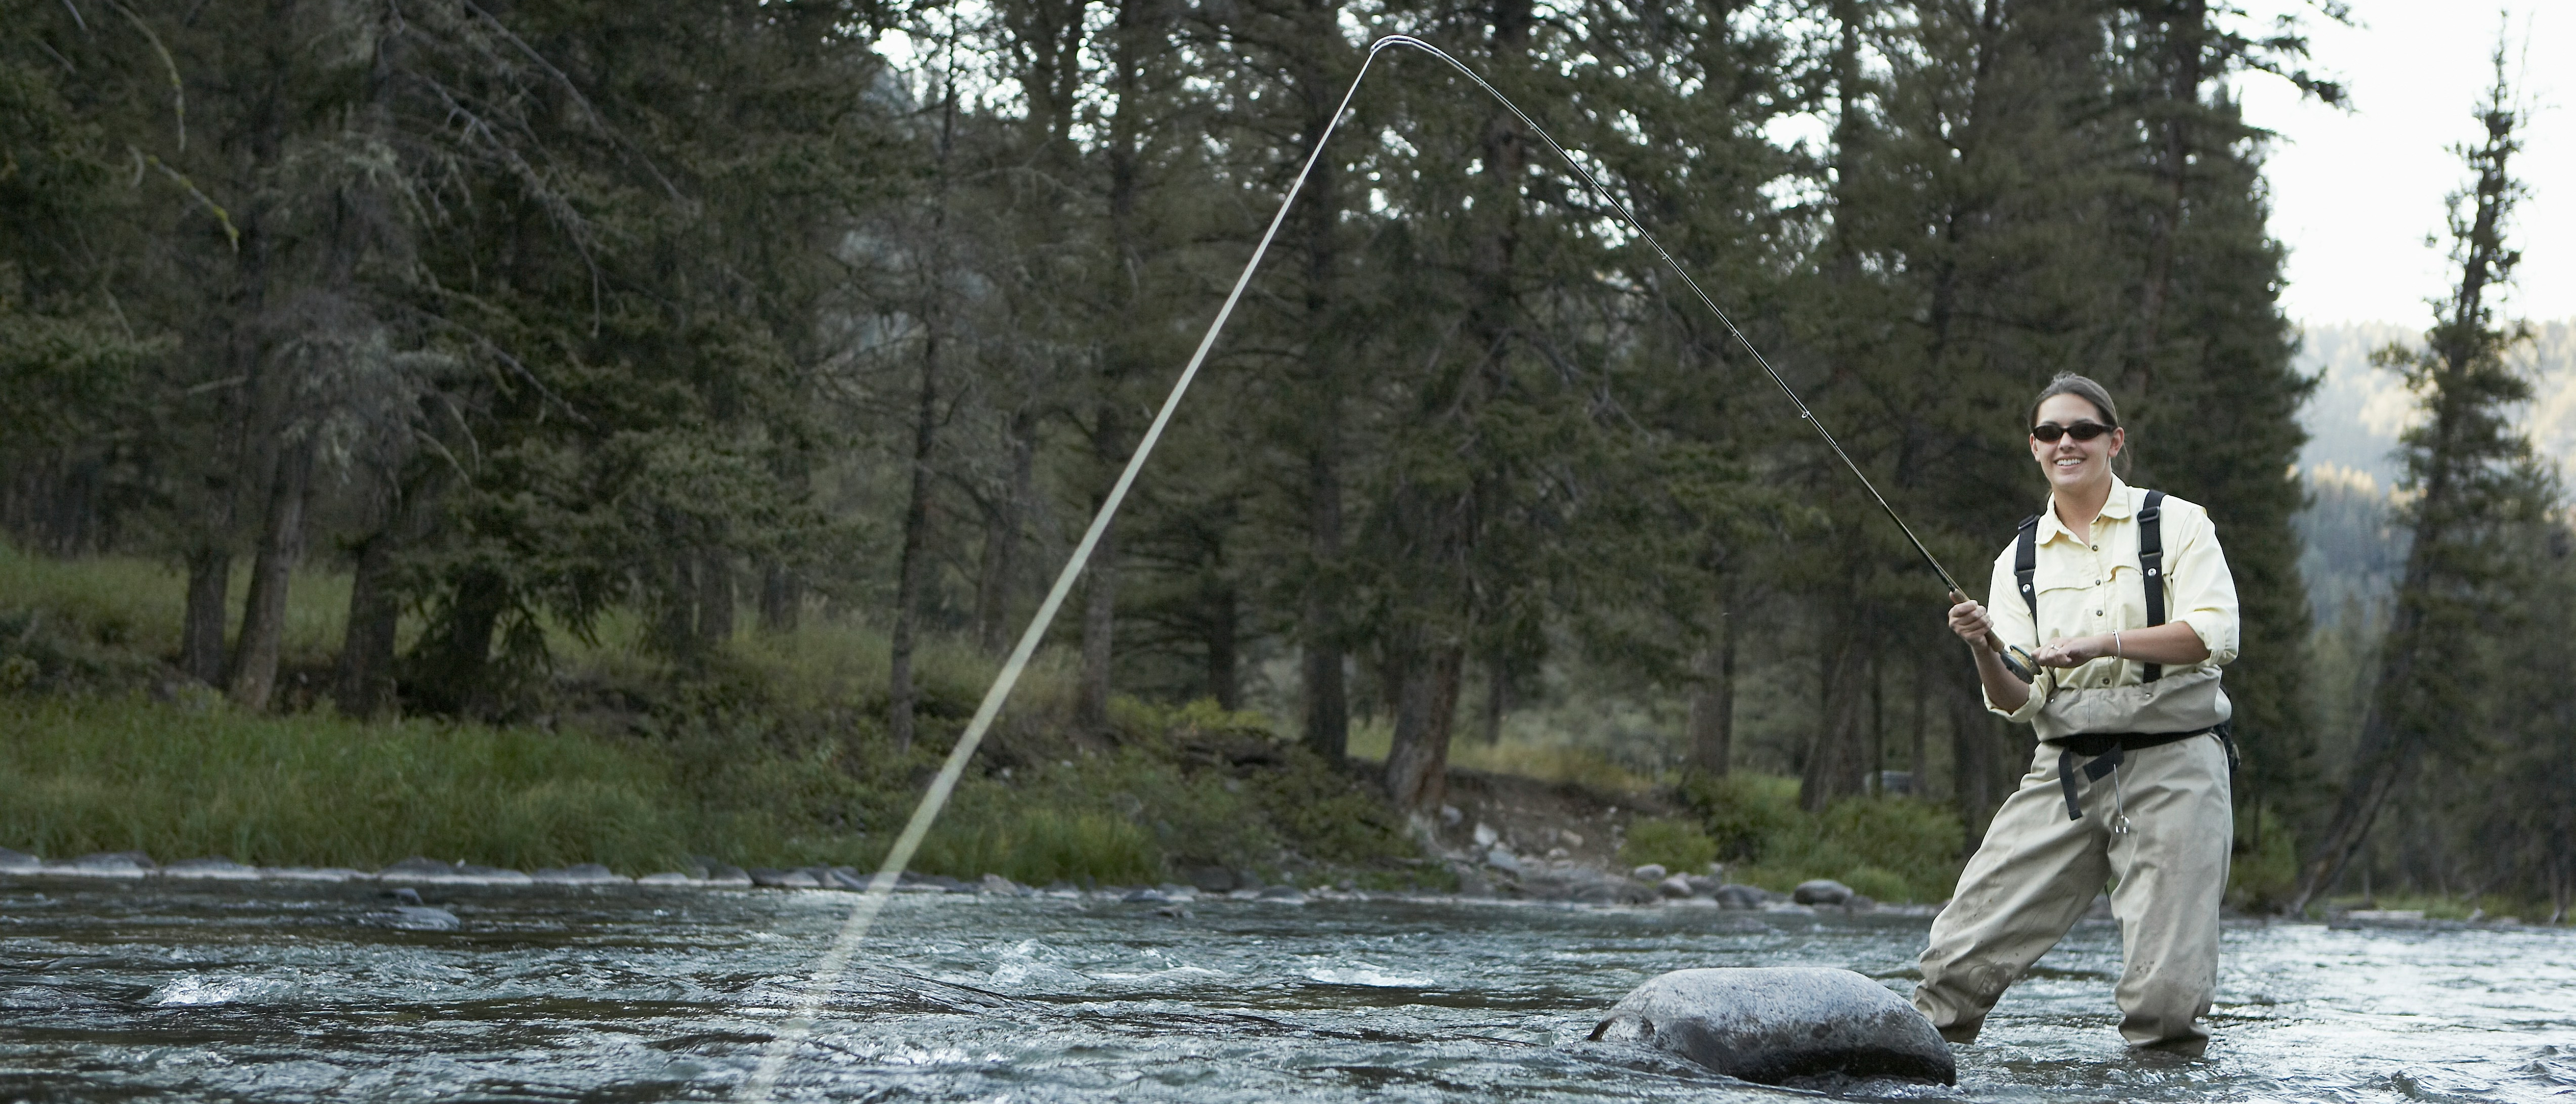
[[2082, 387]]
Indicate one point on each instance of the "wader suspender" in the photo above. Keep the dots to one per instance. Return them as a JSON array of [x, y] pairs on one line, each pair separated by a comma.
[[2105, 748]]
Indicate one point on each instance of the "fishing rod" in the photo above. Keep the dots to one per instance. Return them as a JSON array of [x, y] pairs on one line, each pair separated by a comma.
[[828, 970], [1957, 594]]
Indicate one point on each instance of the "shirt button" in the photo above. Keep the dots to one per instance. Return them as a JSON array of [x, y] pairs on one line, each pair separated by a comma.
[[2097, 613]]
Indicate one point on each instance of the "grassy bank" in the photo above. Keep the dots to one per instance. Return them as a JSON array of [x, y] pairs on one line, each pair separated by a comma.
[[187, 779], [770, 753]]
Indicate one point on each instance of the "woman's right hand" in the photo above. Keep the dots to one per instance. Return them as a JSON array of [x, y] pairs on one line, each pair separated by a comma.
[[1969, 620]]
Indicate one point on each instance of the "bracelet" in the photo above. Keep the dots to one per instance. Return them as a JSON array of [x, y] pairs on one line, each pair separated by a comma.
[[2115, 645]]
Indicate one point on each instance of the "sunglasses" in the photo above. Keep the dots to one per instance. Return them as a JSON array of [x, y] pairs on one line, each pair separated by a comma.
[[2049, 432]]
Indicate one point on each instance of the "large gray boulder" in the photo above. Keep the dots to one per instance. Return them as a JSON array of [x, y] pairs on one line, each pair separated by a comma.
[[1821, 891], [1771, 1025]]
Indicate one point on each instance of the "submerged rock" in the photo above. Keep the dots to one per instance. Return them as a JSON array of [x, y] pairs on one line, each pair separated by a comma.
[[667, 877], [1284, 894], [314, 874], [217, 868], [1774, 1024], [774, 878], [419, 869], [19, 862], [107, 864], [581, 874], [410, 914]]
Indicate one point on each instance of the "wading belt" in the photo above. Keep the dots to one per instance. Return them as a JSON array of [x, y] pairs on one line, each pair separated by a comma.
[[2106, 749]]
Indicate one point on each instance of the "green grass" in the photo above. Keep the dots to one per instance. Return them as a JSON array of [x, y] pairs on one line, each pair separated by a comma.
[[137, 604], [181, 781]]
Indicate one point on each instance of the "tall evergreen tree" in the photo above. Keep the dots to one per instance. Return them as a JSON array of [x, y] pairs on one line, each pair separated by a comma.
[[2474, 486]]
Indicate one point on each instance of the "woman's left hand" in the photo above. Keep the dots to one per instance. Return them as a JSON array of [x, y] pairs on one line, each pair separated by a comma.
[[2073, 651]]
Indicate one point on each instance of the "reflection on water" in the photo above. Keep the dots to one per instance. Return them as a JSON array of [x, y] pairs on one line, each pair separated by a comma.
[[302, 992]]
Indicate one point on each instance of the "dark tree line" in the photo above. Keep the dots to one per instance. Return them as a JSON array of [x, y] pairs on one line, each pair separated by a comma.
[[541, 313]]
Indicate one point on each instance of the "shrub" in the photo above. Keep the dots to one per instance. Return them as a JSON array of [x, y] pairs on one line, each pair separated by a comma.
[[1893, 849], [1038, 846], [2262, 876], [1676, 845]]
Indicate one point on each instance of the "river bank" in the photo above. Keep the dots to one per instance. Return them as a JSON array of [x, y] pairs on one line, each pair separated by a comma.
[[771, 752]]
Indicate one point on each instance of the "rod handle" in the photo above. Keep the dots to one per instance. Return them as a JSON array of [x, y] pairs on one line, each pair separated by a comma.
[[2021, 667]]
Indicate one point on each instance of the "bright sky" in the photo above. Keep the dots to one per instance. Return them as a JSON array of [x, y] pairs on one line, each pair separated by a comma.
[[2354, 194]]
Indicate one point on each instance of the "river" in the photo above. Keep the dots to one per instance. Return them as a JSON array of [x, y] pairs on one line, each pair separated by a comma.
[[288, 992]]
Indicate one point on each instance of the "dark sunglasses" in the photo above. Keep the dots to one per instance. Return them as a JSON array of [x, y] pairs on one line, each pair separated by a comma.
[[2049, 432]]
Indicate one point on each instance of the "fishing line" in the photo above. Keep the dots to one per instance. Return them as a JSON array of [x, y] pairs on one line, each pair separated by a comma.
[[825, 977]]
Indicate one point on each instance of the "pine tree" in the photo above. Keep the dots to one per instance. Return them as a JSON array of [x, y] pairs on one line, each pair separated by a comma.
[[2470, 473]]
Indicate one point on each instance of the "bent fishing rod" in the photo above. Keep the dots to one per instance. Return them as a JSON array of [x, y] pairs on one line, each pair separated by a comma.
[[1957, 594], [828, 970]]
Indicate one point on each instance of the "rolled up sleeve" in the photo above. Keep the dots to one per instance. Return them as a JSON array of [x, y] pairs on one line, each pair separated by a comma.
[[2204, 592], [2013, 625]]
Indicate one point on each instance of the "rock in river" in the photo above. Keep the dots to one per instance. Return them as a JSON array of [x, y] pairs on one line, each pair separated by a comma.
[[1774, 1024], [1822, 891]]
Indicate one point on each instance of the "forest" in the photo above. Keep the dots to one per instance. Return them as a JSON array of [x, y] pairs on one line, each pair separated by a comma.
[[528, 330]]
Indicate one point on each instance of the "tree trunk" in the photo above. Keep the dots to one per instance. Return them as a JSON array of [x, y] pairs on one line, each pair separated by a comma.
[[914, 566], [1099, 621], [364, 682], [1426, 710], [455, 665], [1712, 701], [998, 578], [1837, 751], [1311, 72], [281, 548], [1982, 763], [201, 632], [1224, 658], [1328, 705], [1498, 698], [1919, 763], [715, 597], [782, 597], [679, 620]]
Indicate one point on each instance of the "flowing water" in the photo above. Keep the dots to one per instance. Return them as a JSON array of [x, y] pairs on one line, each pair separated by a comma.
[[281, 991]]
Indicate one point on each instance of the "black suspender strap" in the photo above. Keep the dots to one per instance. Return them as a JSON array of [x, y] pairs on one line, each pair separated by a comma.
[[2025, 564], [2151, 562]]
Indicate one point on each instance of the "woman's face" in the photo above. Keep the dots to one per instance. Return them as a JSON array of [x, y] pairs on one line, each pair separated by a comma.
[[2073, 465]]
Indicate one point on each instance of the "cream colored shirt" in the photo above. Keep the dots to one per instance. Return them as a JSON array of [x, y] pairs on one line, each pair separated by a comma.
[[2088, 585]]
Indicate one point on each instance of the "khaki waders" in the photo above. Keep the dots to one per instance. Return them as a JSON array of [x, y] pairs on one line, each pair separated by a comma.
[[2038, 871]]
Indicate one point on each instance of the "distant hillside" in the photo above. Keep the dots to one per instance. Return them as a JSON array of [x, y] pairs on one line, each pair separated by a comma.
[[2352, 554], [2358, 410]]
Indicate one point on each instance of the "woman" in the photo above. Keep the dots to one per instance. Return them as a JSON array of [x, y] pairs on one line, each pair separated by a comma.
[[2123, 597]]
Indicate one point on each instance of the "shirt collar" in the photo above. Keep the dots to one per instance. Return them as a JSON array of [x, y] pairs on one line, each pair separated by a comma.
[[2120, 506]]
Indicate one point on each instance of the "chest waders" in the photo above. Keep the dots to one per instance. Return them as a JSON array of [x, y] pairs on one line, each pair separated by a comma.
[[2105, 749]]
